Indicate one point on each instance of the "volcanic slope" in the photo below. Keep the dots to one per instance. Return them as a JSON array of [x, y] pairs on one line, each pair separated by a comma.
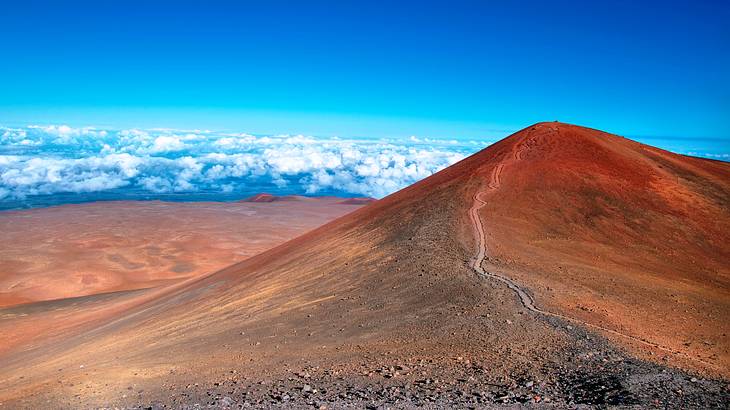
[[617, 234], [501, 279]]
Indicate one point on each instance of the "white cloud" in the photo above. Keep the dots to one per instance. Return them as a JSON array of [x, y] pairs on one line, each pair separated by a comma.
[[39, 160], [167, 143]]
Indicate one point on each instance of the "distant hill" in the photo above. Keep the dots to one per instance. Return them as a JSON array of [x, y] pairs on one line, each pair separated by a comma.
[[264, 197]]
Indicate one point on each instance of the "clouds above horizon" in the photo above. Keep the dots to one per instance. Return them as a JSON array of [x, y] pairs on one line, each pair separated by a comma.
[[45, 160]]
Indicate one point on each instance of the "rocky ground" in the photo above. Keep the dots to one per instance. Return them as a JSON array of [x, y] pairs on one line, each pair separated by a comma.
[[595, 375]]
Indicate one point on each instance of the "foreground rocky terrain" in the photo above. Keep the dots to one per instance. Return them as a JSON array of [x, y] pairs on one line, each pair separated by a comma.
[[444, 294]]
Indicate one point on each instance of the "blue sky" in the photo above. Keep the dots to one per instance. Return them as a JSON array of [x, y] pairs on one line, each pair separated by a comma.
[[378, 68], [219, 100]]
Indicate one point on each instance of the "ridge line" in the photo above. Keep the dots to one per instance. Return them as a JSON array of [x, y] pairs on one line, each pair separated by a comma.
[[525, 299]]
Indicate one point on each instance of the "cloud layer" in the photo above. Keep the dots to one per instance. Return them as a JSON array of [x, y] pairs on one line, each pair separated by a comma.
[[47, 160]]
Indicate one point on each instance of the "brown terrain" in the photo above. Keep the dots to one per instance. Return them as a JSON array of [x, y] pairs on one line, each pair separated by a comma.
[[559, 267], [67, 263], [80, 250], [619, 235]]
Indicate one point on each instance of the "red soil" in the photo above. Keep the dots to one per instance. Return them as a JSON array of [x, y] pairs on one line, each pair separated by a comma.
[[80, 250], [75, 264], [597, 227], [615, 233], [264, 197], [357, 201]]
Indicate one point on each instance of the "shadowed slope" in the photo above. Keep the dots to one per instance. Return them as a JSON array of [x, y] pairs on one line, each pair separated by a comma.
[[389, 286]]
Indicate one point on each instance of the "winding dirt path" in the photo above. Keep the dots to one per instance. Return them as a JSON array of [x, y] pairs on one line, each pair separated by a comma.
[[527, 301]]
